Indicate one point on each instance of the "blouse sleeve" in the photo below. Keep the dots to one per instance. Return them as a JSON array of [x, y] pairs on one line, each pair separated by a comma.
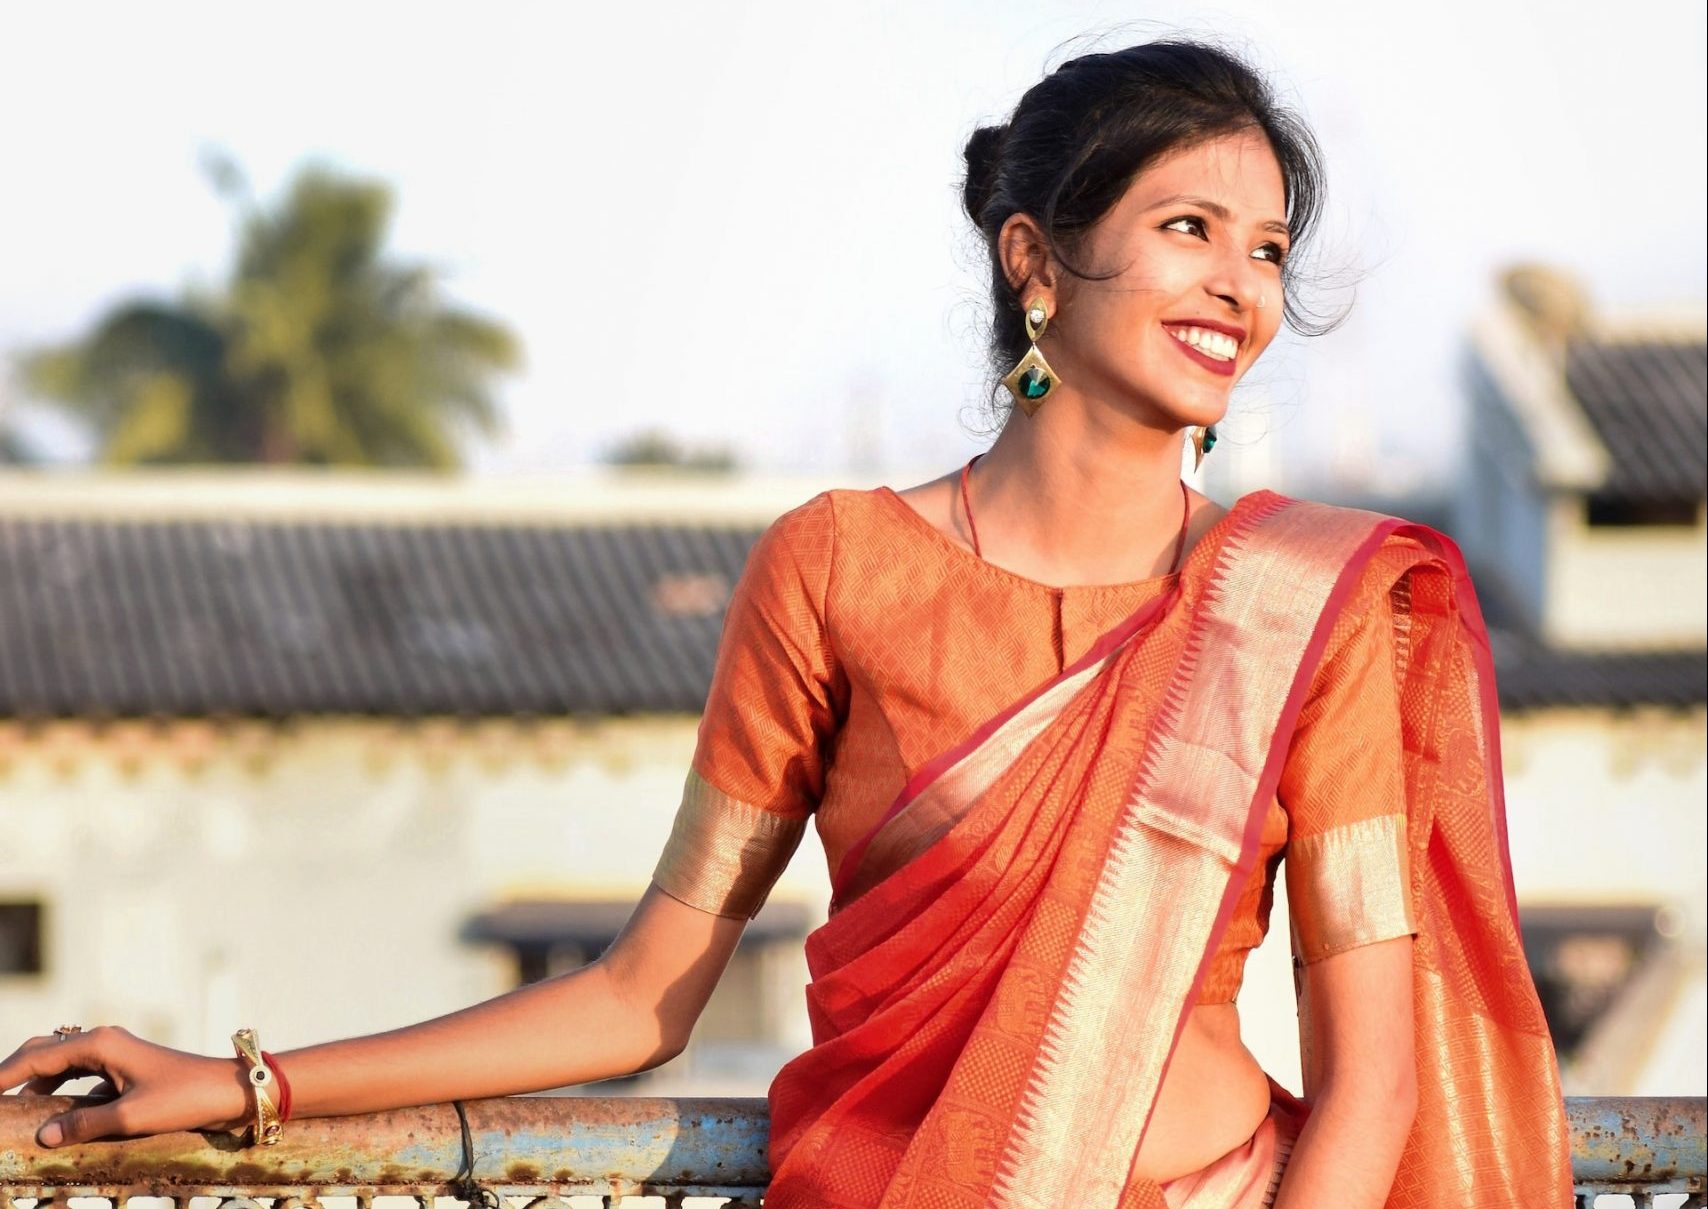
[[758, 767], [1343, 786]]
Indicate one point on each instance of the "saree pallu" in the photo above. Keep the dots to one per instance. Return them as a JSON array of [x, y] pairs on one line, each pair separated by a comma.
[[1015, 947]]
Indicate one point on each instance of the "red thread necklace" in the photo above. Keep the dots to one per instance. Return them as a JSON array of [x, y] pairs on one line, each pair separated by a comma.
[[972, 529]]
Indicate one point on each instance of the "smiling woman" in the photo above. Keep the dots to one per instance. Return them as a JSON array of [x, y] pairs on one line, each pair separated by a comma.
[[1055, 759]]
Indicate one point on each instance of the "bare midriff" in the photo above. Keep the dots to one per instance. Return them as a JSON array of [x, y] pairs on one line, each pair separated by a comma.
[[1212, 1099]]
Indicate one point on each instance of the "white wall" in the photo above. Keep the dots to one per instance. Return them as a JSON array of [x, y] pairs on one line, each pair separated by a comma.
[[311, 880], [1622, 586], [1608, 809]]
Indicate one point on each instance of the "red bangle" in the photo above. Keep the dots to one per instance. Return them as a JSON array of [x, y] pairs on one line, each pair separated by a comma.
[[284, 1086]]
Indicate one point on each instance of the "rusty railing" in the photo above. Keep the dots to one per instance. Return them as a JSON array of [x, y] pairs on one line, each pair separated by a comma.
[[539, 1152]]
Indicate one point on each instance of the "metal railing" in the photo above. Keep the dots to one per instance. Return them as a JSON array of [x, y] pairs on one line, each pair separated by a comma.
[[541, 1151]]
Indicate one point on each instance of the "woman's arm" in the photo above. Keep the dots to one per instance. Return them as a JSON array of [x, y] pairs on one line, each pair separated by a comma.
[[630, 1010], [1363, 1085], [774, 700]]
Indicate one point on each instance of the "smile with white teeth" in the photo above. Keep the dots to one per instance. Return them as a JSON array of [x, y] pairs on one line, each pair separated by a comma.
[[1211, 344]]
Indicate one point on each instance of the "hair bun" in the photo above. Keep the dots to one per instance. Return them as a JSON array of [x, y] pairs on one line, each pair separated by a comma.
[[984, 159]]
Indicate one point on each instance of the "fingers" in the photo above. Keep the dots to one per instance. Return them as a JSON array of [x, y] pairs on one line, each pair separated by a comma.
[[13, 1063], [42, 1058], [83, 1125], [41, 1064], [22, 1063], [46, 1085]]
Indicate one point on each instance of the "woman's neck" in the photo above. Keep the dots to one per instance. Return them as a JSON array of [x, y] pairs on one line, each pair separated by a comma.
[[1063, 499]]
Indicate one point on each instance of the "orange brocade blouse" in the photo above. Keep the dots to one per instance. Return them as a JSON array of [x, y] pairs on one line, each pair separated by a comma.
[[861, 642]]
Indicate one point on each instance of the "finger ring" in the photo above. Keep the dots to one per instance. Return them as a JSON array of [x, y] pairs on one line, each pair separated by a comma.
[[66, 1031]]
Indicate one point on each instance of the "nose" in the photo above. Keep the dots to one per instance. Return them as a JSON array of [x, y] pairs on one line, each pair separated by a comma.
[[1239, 281]]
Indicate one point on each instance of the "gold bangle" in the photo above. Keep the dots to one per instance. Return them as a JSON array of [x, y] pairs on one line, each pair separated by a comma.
[[265, 1131]]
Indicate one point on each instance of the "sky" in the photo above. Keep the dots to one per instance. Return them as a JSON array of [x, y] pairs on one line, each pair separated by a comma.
[[741, 222]]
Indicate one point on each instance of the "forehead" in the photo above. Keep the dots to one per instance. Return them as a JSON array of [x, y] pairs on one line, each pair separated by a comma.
[[1239, 171]]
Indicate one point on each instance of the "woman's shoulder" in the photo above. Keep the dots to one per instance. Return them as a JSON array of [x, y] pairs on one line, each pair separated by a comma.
[[1369, 552], [804, 545], [1400, 536], [849, 517], [810, 529]]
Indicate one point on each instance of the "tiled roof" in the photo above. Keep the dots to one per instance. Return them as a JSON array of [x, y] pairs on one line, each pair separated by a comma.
[[1648, 403], [1531, 676], [273, 619], [266, 618]]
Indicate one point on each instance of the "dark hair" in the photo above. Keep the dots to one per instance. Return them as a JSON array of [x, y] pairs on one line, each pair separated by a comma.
[[1081, 134]]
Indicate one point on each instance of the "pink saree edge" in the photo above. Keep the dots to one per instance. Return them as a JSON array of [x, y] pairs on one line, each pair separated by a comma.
[[1473, 626], [1471, 619], [1267, 782]]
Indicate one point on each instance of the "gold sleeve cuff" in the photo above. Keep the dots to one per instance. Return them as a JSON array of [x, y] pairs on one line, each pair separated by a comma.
[[724, 855], [1349, 886]]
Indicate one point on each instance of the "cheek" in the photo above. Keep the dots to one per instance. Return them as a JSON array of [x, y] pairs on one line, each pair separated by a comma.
[[1269, 326], [1158, 264]]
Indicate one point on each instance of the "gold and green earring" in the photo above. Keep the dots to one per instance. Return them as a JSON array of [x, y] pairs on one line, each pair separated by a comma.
[[1203, 441], [1033, 378]]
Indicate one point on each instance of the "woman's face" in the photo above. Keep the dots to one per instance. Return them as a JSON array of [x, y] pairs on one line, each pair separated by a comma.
[[1198, 238]]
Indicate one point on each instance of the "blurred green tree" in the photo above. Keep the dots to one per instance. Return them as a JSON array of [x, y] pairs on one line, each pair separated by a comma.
[[319, 351], [653, 448]]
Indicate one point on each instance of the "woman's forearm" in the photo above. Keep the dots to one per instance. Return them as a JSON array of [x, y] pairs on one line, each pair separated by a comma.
[[574, 1028], [630, 1010], [1349, 1150]]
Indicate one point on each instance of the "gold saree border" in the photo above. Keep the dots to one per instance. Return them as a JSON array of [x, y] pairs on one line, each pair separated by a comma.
[[1189, 825], [1349, 886], [1490, 1139], [724, 854]]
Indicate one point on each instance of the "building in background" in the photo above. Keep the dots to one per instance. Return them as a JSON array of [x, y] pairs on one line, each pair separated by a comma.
[[1583, 513], [327, 754]]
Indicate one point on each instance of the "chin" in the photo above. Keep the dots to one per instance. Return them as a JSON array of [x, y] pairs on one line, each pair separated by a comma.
[[1194, 417]]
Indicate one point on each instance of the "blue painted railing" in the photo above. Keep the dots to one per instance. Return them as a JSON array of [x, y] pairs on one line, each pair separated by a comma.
[[540, 1150]]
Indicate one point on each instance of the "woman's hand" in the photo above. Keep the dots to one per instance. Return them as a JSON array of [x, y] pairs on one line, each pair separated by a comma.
[[153, 1089]]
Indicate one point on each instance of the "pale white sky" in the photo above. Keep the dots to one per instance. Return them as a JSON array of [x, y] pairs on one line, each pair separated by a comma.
[[741, 222]]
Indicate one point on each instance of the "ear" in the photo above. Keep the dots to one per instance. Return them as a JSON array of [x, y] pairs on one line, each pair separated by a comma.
[[1027, 265]]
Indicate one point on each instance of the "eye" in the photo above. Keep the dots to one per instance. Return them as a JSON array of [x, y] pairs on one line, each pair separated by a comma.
[[1276, 253]]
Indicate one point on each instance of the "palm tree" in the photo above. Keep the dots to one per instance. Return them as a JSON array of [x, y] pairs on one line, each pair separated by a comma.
[[319, 351]]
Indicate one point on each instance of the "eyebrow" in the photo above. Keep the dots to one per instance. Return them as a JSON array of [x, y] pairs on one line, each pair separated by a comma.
[[1216, 208]]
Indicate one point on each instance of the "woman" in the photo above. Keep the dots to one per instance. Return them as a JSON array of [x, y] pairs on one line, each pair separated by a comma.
[[1058, 719]]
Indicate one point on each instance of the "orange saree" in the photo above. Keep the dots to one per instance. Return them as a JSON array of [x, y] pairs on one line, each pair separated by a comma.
[[1016, 942]]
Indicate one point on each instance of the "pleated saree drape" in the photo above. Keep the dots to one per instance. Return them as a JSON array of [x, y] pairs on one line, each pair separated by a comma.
[[1014, 948]]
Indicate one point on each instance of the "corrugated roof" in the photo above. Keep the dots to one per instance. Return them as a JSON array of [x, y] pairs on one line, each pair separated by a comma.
[[202, 617], [1648, 403], [1530, 676], [274, 619]]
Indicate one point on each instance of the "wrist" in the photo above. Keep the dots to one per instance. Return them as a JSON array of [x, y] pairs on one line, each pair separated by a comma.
[[232, 1110]]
